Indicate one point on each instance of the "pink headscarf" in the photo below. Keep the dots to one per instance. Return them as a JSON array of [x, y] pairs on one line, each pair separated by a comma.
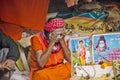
[[54, 24]]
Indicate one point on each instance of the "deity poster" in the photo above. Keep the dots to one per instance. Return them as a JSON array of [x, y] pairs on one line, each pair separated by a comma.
[[80, 49], [105, 47]]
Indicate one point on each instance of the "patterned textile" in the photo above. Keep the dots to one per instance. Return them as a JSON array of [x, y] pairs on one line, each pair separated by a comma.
[[54, 24]]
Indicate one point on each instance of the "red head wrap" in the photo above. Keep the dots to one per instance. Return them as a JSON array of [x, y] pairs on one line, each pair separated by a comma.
[[54, 24]]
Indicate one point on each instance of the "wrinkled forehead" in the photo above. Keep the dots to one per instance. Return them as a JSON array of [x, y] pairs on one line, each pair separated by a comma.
[[61, 29]]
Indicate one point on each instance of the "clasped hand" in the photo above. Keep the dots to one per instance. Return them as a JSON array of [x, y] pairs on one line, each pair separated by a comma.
[[57, 34]]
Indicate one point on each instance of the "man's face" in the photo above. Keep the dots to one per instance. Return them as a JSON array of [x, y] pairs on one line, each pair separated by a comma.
[[59, 31]]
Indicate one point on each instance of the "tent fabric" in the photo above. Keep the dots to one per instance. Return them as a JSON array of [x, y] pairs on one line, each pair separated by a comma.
[[30, 14], [11, 30]]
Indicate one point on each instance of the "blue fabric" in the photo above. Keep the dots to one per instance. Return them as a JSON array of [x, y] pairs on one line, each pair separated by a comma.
[[93, 14]]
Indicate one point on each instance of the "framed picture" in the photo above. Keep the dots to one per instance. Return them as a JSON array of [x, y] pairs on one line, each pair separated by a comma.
[[105, 47], [80, 49]]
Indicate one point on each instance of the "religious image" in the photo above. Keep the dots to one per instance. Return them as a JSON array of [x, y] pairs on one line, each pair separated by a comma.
[[80, 49], [105, 47]]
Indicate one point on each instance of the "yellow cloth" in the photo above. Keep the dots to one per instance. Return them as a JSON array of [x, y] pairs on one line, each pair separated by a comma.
[[82, 61]]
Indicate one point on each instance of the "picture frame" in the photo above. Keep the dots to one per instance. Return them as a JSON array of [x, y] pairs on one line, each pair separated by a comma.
[[105, 47], [74, 46], [79, 60]]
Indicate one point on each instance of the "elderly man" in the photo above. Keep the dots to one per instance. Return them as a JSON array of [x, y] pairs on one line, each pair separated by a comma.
[[49, 51]]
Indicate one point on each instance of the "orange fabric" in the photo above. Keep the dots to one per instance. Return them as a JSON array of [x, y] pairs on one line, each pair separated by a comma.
[[59, 72], [105, 64], [11, 30], [29, 14], [37, 44]]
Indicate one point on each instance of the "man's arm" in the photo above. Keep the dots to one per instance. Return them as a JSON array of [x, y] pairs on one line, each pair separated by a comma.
[[67, 52], [41, 56], [7, 42], [12, 55]]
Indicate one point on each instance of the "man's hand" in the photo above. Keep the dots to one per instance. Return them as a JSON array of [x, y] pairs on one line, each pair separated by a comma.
[[8, 64], [57, 34], [71, 2]]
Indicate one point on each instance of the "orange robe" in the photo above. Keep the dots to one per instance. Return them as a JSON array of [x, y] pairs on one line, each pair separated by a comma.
[[54, 69]]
